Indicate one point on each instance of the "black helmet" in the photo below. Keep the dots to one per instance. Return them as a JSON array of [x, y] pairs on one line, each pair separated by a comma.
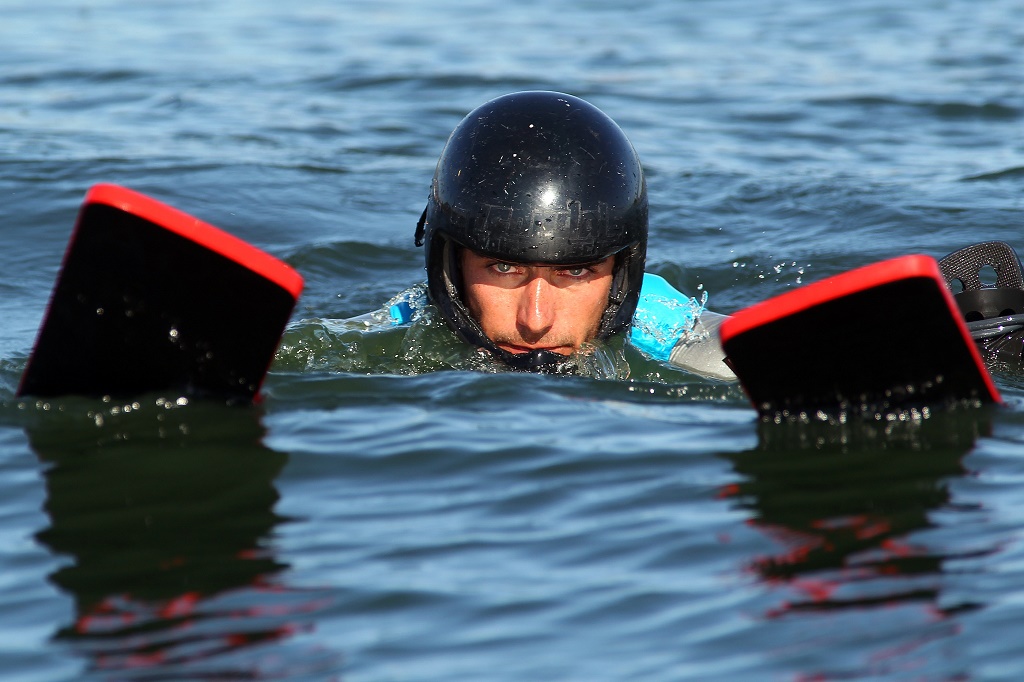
[[536, 177]]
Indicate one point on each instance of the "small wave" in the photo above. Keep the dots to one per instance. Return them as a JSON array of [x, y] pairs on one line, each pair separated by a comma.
[[353, 258], [360, 77], [1013, 173], [40, 78], [987, 110], [943, 110], [349, 278]]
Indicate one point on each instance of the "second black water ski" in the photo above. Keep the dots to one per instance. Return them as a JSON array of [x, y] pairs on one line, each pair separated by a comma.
[[875, 340]]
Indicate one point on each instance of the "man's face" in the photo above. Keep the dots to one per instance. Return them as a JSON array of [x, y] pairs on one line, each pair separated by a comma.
[[522, 308]]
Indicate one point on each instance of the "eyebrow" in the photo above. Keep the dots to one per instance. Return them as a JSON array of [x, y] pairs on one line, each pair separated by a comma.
[[549, 265]]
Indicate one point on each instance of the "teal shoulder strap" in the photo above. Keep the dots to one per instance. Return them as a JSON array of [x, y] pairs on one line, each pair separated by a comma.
[[662, 317], [401, 312], [402, 308]]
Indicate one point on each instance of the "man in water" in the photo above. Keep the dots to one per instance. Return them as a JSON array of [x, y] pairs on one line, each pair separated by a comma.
[[536, 238]]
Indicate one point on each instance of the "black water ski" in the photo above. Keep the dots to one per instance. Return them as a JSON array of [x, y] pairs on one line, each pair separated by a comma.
[[879, 339], [151, 299]]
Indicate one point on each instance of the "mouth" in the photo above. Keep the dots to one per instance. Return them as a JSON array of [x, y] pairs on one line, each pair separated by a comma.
[[517, 349]]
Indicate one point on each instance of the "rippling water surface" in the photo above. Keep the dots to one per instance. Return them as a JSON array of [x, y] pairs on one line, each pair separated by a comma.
[[449, 525]]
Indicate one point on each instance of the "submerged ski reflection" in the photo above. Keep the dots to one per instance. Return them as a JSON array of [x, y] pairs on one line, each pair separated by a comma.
[[168, 518], [848, 504]]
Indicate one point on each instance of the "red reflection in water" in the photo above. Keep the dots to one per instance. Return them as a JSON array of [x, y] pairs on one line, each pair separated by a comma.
[[172, 570], [846, 506], [122, 632]]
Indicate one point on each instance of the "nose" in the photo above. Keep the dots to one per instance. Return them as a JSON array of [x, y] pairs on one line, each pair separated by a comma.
[[536, 313]]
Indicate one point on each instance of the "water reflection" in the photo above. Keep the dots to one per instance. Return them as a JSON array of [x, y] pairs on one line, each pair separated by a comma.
[[167, 520], [846, 504], [842, 501]]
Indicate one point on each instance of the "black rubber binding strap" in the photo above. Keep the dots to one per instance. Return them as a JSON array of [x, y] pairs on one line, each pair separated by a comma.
[[990, 308]]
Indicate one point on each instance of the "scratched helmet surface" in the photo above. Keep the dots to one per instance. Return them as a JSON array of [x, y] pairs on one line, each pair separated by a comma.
[[536, 177]]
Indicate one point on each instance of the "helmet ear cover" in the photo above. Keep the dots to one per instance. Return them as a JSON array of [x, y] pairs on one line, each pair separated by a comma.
[[625, 291]]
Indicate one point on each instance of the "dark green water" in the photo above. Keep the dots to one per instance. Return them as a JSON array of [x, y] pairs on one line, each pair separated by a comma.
[[372, 521]]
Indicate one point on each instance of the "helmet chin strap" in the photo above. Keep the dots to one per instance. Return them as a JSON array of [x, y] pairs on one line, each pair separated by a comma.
[[542, 361]]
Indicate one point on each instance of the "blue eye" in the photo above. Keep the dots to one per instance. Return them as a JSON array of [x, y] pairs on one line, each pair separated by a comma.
[[576, 272], [503, 268]]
